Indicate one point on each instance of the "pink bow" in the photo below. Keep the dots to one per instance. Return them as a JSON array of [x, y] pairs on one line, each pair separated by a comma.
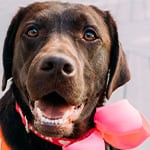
[[119, 124]]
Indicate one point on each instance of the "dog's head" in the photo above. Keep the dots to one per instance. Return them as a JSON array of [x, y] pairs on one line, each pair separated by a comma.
[[59, 56]]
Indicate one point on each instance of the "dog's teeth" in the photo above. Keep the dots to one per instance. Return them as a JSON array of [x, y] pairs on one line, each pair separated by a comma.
[[39, 112], [68, 113], [45, 120], [61, 121], [52, 122], [57, 122]]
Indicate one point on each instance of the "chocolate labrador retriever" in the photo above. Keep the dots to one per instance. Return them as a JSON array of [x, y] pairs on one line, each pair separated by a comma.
[[64, 59]]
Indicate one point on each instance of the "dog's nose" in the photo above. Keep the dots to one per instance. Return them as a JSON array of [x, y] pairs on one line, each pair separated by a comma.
[[55, 64]]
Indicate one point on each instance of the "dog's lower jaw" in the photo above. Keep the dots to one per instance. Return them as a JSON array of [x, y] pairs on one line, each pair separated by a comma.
[[72, 130], [54, 131]]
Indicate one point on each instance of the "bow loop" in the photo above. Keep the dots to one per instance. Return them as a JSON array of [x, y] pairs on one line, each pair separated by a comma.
[[122, 125]]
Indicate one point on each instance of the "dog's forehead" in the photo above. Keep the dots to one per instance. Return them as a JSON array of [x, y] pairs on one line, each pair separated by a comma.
[[64, 11]]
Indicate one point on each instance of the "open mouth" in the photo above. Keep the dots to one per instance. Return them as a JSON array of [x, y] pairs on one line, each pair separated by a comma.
[[53, 111]]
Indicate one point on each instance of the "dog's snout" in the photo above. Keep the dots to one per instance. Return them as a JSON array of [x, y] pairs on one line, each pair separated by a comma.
[[55, 64]]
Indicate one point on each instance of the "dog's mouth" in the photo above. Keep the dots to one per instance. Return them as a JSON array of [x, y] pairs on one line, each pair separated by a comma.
[[52, 113]]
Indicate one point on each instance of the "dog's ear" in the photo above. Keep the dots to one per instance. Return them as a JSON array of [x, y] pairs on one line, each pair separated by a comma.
[[9, 46], [118, 73]]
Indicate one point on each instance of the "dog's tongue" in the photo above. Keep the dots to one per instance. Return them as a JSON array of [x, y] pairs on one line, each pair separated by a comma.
[[53, 111]]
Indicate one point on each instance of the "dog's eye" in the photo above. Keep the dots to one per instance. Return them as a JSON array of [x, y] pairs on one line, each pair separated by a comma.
[[32, 32], [89, 35]]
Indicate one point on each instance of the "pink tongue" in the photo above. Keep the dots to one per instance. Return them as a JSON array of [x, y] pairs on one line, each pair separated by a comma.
[[52, 111]]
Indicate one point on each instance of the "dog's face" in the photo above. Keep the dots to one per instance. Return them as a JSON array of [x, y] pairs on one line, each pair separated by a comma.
[[61, 55]]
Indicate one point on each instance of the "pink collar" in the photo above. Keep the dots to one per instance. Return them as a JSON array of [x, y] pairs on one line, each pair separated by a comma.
[[119, 124]]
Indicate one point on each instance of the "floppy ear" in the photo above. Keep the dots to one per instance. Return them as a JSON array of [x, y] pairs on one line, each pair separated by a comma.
[[118, 68], [9, 47], [119, 72]]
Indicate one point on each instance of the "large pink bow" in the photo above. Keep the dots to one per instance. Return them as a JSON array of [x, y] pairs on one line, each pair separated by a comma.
[[119, 124]]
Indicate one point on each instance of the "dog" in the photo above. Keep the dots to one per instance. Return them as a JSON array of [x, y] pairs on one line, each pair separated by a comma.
[[64, 60]]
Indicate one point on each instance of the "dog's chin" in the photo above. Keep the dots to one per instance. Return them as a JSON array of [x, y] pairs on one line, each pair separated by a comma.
[[53, 116]]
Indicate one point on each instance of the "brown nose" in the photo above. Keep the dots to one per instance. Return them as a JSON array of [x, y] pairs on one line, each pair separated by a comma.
[[58, 65]]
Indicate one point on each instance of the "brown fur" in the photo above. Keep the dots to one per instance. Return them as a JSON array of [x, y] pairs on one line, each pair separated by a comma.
[[60, 40]]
